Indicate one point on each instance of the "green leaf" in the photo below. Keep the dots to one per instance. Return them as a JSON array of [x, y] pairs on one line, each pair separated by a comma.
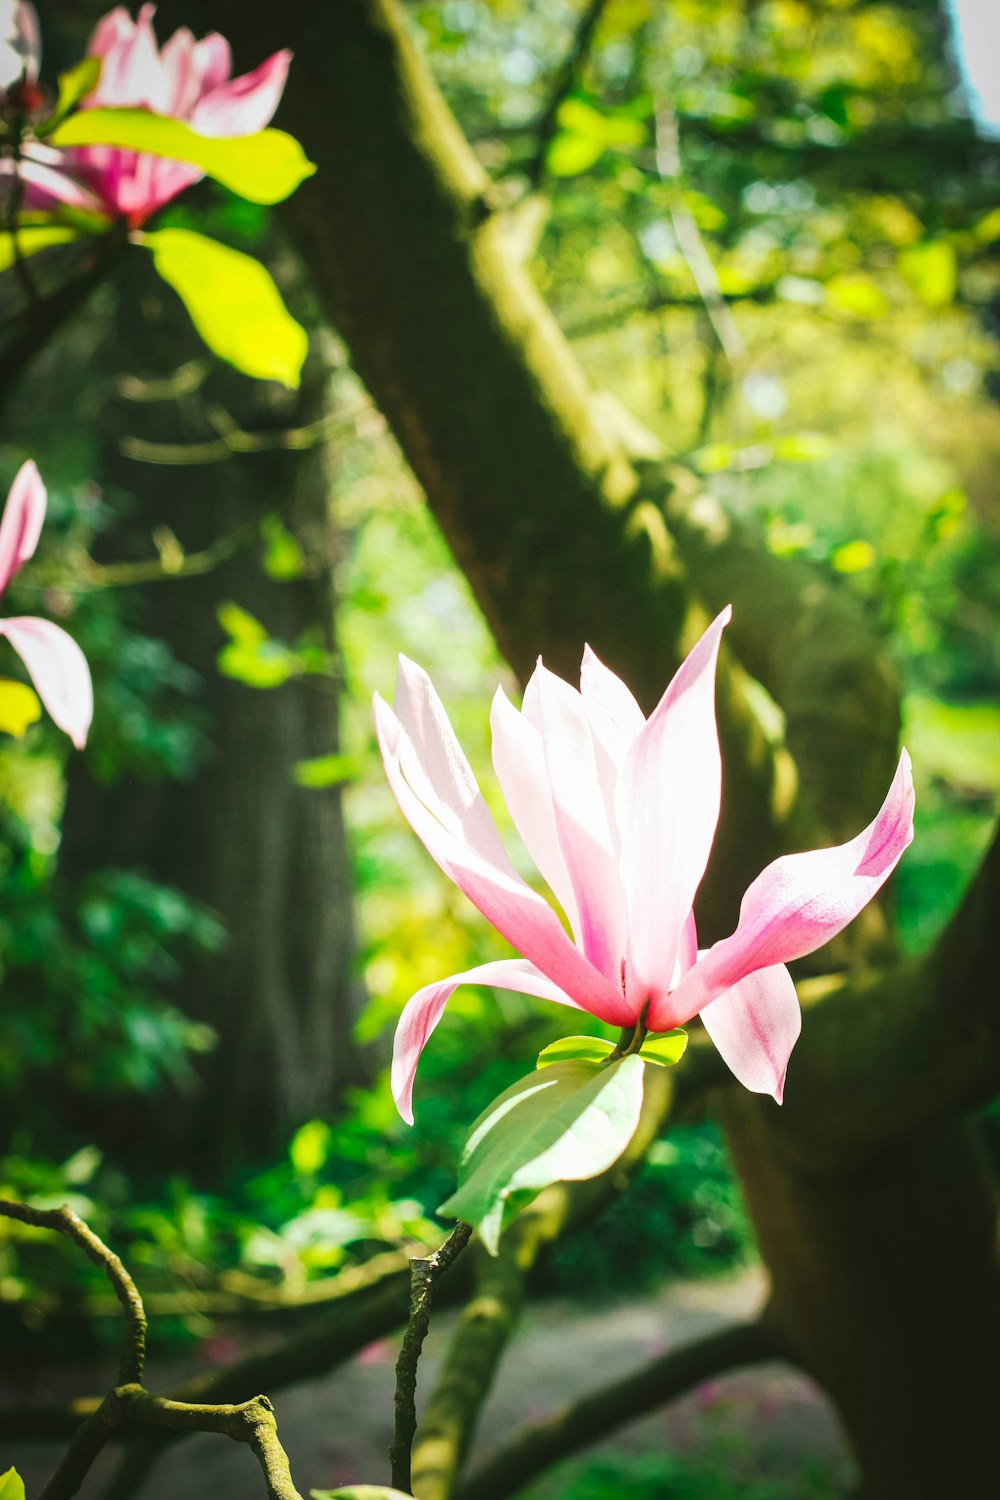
[[283, 557], [327, 770], [310, 1147], [665, 1049], [32, 239], [570, 154], [854, 557], [265, 167], [233, 303], [74, 85], [239, 624], [11, 1486], [857, 294], [593, 1049], [564, 1123], [19, 707], [932, 271], [803, 447]]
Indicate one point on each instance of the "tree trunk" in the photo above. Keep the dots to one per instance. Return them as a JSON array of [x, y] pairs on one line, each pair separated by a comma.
[[268, 855]]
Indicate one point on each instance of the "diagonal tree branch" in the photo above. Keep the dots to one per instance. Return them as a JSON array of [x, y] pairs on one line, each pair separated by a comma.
[[539, 1446]]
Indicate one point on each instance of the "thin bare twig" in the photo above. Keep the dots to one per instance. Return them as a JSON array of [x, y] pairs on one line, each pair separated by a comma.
[[423, 1274]]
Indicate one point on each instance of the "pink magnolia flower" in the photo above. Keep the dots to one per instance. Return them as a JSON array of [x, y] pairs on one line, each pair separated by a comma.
[[55, 663], [619, 813], [187, 80]]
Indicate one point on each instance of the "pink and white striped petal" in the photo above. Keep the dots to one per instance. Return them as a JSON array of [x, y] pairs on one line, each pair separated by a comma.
[[801, 901], [505, 900], [615, 717], [422, 1013], [59, 671], [21, 525], [438, 770], [755, 1024], [243, 105], [519, 762], [583, 826], [667, 803]]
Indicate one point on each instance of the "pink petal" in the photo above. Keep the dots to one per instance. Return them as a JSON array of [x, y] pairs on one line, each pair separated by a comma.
[[438, 771], [59, 670], [422, 1013], [182, 83], [755, 1024], [111, 32], [513, 908], [22, 521], [519, 762], [244, 105], [667, 802], [615, 717], [47, 183], [213, 61], [801, 901], [131, 71], [584, 829]]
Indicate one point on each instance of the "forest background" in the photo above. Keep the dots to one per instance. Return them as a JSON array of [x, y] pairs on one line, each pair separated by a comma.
[[769, 233]]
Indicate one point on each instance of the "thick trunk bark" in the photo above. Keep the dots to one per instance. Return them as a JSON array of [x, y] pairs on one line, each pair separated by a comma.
[[268, 855]]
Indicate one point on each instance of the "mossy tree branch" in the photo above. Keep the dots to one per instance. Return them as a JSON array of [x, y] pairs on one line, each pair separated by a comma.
[[537, 1447], [129, 1403]]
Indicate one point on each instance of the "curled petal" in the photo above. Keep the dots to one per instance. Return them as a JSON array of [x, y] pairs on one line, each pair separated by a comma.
[[801, 901], [755, 1024], [505, 900], [422, 1013], [59, 670], [22, 521], [667, 804], [246, 104]]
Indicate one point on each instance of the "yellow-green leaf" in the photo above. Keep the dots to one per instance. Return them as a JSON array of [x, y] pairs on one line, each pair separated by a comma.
[[932, 271], [233, 303], [666, 1049], [854, 557], [264, 168], [592, 1049], [11, 1486], [327, 770], [75, 84], [570, 153], [19, 707], [857, 294]]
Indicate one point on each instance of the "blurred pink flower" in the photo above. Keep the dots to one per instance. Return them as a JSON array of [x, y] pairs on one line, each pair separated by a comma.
[[187, 80], [55, 663], [619, 814], [20, 45]]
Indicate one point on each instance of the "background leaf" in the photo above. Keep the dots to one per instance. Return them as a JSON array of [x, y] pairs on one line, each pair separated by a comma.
[[233, 303], [265, 167]]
